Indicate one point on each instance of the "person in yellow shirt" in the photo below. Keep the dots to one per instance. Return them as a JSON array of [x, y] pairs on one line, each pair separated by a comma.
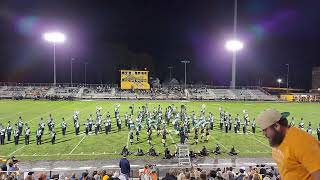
[[296, 152]]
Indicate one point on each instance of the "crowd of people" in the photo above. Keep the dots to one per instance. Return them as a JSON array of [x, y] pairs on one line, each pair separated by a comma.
[[9, 168], [148, 172], [259, 172]]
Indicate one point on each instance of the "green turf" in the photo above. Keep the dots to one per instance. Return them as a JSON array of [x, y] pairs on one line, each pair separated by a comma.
[[108, 146]]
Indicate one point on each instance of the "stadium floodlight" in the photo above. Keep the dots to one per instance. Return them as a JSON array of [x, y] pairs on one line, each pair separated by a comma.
[[54, 38], [279, 81], [234, 45]]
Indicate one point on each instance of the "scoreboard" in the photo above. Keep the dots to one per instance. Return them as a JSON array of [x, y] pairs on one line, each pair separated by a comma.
[[133, 79]]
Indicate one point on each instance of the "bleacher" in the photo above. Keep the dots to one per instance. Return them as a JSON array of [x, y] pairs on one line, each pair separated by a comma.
[[65, 91], [14, 91], [36, 92], [223, 94], [202, 94], [263, 95], [98, 92]]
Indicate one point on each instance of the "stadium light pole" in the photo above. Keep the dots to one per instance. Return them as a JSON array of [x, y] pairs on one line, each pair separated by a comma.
[[170, 72], [279, 81], [85, 73], [185, 72], [72, 59], [54, 38], [234, 45]]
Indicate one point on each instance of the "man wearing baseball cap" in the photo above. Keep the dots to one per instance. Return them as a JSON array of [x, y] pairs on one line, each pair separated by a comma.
[[296, 152]]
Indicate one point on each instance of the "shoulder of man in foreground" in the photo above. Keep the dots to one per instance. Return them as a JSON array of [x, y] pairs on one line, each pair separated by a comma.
[[307, 151]]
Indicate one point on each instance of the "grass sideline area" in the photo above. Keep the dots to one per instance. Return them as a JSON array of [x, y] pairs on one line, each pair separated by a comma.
[[102, 146]]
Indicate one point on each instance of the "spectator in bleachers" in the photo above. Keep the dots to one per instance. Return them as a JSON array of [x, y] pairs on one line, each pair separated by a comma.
[[153, 174], [12, 166], [296, 152], [181, 175], [42, 176], [170, 175], [115, 175], [256, 176], [242, 173], [73, 176], [203, 175], [29, 176], [84, 176], [187, 175], [212, 175], [103, 175]]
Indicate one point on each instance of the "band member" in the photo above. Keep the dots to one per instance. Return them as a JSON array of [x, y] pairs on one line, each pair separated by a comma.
[[42, 125], [196, 138], [16, 135], [50, 119], [9, 130], [53, 136], [207, 134], [235, 127], [27, 135], [77, 127], [63, 127], [164, 137], [38, 135], [254, 126], [131, 137], [217, 151], [87, 127], [137, 134], [202, 133], [90, 123], [2, 134]]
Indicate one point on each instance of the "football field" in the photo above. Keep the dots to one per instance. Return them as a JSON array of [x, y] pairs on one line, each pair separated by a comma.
[[102, 146]]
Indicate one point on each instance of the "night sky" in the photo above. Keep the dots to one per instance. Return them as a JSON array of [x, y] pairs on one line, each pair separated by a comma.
[[155, 34]]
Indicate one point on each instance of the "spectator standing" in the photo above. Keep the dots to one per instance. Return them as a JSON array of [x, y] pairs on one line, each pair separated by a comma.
[[296, 152], [124, 165]]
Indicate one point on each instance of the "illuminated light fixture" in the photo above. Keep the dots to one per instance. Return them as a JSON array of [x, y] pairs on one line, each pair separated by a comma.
[[234, 45]]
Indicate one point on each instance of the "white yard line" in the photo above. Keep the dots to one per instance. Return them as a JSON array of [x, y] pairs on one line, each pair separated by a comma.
[[16, 151], [266, 145], [40, 116], [175, 144], [219, 142], [128, 140], [86, 135], [77, 144]]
